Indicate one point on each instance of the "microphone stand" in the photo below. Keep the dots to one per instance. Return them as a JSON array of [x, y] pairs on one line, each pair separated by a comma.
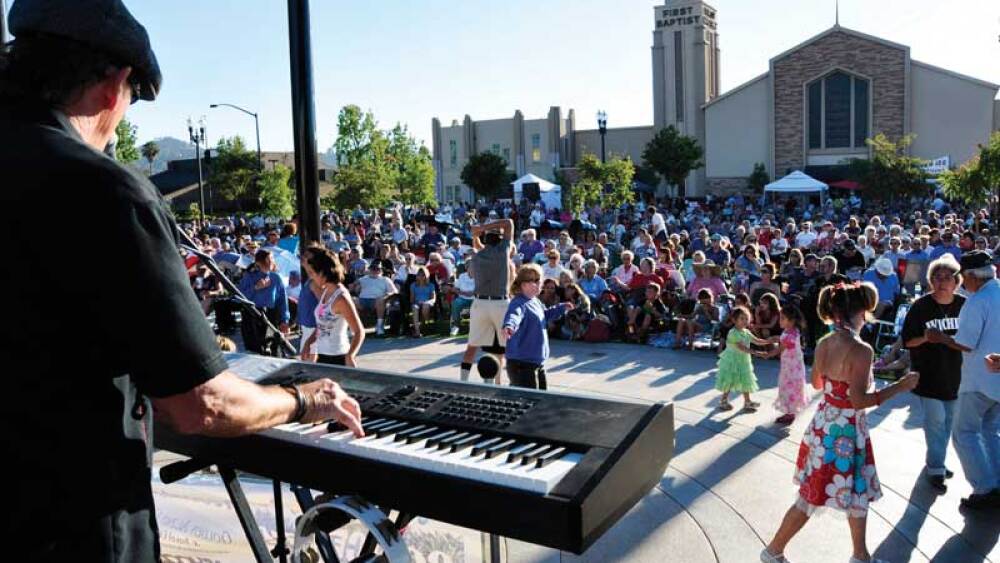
[[235, 293]]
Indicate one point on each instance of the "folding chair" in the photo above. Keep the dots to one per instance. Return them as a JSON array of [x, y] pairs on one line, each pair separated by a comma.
[[890, 329]]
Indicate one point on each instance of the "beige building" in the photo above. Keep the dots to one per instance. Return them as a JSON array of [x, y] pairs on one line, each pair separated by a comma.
[[812, 110]]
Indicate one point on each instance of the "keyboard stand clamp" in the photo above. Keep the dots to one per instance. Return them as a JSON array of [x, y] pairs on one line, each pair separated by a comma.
[[370, 516]]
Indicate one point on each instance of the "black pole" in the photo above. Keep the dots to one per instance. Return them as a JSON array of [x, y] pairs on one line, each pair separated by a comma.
[[602, 146], [260, 163], [303, 120], [201, 187]]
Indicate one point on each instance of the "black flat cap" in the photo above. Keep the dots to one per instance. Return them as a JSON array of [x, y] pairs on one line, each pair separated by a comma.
[[105, 25], [975, 260]]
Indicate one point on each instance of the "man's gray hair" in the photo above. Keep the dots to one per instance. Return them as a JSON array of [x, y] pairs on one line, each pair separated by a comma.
[[985, 273]]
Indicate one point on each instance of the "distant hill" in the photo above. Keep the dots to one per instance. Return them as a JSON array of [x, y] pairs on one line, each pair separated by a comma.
[[170, 149]]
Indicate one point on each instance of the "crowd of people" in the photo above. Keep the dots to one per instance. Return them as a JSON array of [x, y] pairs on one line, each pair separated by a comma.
[[749, 274], [746, 278]]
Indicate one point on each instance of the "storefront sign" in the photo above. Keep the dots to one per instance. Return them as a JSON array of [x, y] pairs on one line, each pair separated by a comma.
[[938, 165]]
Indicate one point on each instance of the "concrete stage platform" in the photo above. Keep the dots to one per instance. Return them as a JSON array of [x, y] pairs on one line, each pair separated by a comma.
[[721, 498]]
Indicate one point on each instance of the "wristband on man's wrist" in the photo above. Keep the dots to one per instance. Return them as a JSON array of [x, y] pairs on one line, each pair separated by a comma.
[[300, 401]]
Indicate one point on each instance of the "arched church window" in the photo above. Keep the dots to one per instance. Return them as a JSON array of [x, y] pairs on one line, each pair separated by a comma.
[[837, 111]]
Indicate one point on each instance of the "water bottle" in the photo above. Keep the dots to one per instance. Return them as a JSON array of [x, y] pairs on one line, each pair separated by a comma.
[[916, 289]]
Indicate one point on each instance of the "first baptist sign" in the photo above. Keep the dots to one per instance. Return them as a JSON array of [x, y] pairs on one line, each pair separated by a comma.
[[686, 16]]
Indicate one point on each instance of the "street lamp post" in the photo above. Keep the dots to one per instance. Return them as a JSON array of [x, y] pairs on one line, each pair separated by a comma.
[[602, 126], [197, 135], [256, 124]]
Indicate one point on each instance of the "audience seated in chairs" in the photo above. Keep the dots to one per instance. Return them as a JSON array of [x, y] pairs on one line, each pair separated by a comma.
[[373, 292], [695, 319]]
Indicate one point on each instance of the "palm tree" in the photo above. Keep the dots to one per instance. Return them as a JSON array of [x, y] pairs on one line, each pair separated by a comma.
[[149, 151]]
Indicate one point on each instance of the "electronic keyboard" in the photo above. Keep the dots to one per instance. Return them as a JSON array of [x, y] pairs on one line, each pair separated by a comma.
[[543, 467]]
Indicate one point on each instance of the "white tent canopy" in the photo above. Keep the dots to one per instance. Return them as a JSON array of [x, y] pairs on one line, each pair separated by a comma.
[[795, 183], [551, 194]]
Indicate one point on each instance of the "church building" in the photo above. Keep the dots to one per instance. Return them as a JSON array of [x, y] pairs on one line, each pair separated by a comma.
[[811, 110]]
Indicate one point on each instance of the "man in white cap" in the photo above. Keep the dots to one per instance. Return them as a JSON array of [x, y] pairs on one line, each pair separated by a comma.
[[885, 280]]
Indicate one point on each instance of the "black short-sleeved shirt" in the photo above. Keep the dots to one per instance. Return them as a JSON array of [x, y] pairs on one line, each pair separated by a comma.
[[940, 367], [98, 315]]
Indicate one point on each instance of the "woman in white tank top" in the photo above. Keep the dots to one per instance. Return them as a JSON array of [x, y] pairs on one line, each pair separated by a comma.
[[339, 332]]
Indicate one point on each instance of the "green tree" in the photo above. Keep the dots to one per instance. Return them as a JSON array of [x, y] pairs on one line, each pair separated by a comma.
[[890, 172], [486, 173], [366, 184], [589, 185], [276, 196], [609, 184], [125, 149], [149, 151], [414, 172], [978, 180], [233, 170], [618, 174], [673, 156], [357, 132], [758, 178]]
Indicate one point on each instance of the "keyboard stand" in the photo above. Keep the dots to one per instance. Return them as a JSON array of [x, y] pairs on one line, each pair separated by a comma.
[[381, 530], [257, 545]]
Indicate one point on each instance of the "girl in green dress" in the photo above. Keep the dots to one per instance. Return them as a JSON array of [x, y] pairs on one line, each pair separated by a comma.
[[735, 368]]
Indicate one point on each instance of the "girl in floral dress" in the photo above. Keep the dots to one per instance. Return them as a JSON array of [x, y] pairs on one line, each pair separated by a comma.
[[836, 463], [792, 375]]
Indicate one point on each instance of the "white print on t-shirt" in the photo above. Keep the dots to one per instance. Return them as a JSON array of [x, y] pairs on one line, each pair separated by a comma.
[[945, 324]]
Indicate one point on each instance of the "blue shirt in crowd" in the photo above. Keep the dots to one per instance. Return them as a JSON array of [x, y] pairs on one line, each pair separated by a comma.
[[593, 288], [888, 287], [307, 306], [528, 317], [271, 297], [979, 329], [945, 249]]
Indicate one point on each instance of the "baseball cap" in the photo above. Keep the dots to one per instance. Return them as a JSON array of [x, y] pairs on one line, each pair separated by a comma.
[[975, 260], [105, 25]]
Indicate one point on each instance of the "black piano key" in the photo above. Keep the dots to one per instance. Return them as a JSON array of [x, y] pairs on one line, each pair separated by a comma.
[[434, 440], [484, 445], [391, 429], [377, 423], [334, 427], [530, 457], [416, 437], [550, 456], [518, 452], [500, 448], [400, 436], [466, 442], [447, 442]]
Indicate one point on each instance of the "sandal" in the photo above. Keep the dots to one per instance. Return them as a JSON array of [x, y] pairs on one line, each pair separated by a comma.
[[725, 406]]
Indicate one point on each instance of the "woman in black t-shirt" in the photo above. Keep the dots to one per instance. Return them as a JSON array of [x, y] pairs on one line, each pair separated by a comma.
[[939, 366]]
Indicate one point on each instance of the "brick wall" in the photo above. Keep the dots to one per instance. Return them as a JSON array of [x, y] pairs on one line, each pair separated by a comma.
[[726, 186], [884, 64]]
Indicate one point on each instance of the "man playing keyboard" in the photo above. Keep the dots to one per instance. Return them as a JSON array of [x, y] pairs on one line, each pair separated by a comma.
[[85, 356]]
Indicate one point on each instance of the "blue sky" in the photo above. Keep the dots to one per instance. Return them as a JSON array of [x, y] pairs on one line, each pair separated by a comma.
[[411, 60]]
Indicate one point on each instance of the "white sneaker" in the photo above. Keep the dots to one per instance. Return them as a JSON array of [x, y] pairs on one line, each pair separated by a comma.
[[768, 557], [379, 331], [453, 331]]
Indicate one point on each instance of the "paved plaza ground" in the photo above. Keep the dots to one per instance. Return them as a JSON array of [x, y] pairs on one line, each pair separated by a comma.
[[720, 500]]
